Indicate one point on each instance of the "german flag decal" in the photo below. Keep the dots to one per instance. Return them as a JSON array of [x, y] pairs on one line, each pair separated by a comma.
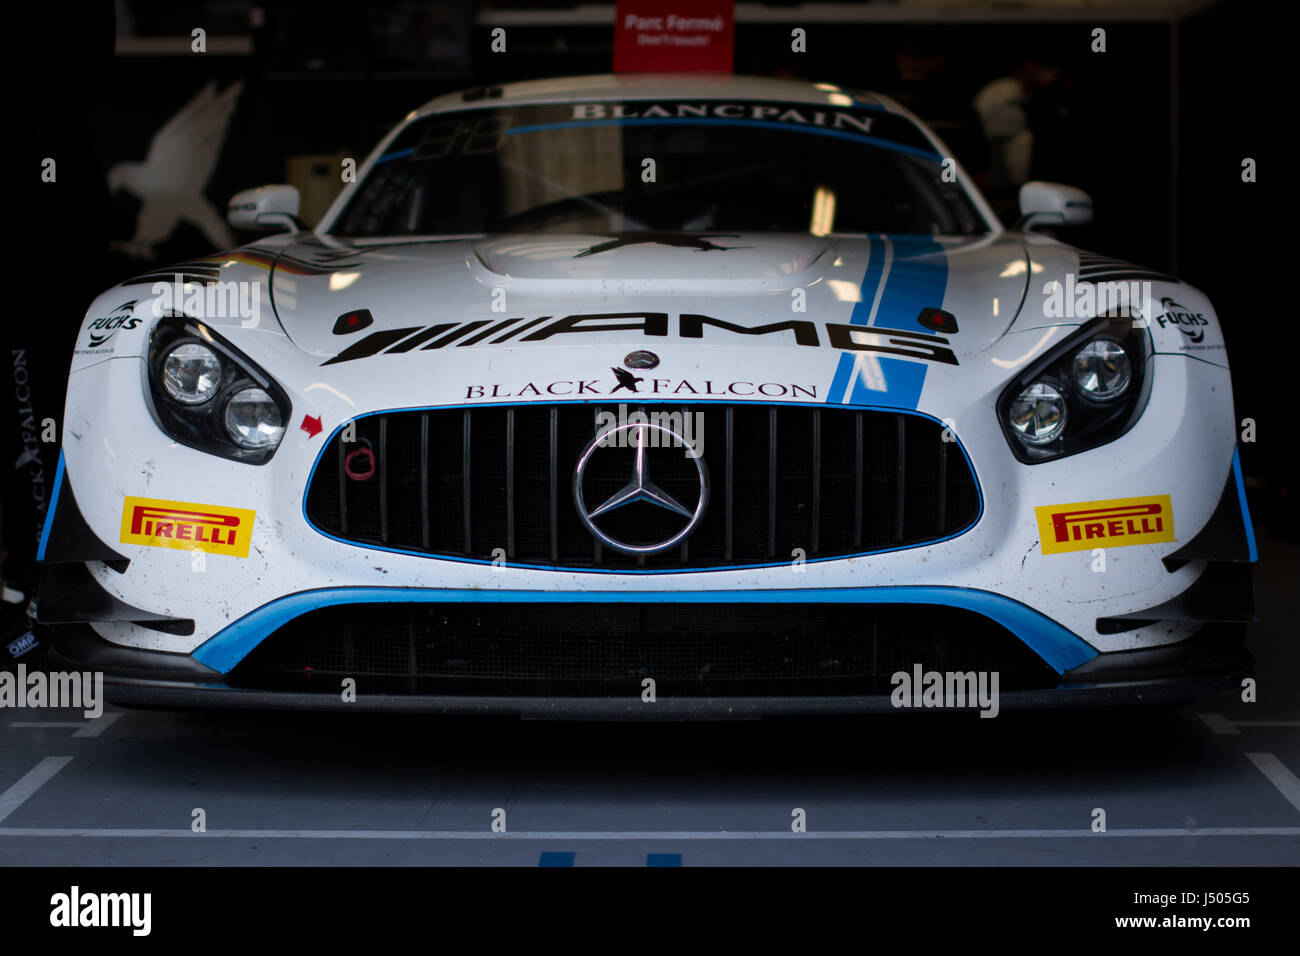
[[1117, 523], [180, 524]]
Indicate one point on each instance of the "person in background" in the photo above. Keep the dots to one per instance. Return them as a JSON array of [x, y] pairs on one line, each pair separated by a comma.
[[1010, 110]]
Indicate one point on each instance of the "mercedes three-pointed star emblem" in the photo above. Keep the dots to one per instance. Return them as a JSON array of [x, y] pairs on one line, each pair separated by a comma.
[[640, 487]]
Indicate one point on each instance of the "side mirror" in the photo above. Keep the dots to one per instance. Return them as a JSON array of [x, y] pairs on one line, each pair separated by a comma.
[[265, 208], [1053, 203]]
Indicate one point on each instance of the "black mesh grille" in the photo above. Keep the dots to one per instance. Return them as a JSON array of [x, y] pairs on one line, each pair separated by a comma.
[[607, 649], [489, 483]]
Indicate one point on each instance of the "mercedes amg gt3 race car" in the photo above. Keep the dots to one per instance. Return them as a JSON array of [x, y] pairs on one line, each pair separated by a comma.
[[651, 396]]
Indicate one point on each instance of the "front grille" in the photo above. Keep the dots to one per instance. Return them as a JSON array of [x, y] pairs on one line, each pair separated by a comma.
[[608, 649], [786, 482]]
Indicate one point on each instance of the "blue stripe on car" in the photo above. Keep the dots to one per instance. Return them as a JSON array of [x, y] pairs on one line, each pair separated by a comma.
[[1057, 646], [917, 278], [1241, 499], [396, 154], [860, 315], [721, 121], [704, 121], [49, 511], [840, 383], [903, 381]]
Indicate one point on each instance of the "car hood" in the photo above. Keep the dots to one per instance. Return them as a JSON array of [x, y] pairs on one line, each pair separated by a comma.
[[933, 324], [747, 279]]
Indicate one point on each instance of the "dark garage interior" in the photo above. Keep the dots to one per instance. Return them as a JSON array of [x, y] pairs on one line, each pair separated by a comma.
[[1169, 123]]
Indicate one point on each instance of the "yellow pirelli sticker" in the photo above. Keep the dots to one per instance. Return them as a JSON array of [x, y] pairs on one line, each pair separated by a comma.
[[182, 524], [1117, 523]]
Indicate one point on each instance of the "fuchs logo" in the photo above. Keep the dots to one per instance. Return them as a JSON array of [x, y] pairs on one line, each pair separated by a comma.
[[1085, 525], [689, 325], [1191, 324], [103, 329], [181, 524]]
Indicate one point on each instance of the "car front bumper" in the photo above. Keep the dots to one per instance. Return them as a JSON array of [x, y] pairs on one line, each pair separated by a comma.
[[1215, 660], [1072, 611]]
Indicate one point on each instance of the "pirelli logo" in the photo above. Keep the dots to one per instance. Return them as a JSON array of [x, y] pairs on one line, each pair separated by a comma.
[[1085, 525], [181, 524]]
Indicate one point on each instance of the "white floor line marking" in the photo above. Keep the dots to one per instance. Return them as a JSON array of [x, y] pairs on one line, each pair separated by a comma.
[[47, 723], [1279, 776], [97, 726], [662, 835], [29, 783], [1219, 724]]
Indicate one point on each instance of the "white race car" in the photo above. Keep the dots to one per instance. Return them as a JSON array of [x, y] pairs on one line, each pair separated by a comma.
[[651, 396]]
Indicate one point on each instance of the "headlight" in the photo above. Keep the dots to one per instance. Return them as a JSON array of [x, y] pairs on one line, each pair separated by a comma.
[[1038, 414], [1087, 392], [253, 419], [209, 396], [1102, 370], [191, 373]]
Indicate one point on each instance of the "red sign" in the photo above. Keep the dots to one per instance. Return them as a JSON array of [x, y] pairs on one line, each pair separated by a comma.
[[674, 36]]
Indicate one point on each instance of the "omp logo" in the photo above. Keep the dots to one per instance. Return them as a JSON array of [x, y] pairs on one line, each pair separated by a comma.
[[1105, 524], [180, 524], [22, 645]]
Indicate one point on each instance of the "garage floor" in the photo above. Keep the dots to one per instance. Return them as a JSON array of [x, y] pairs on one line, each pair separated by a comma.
[[1213, 783]]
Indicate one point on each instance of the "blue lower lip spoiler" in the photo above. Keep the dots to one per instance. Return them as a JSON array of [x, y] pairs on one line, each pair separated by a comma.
[[1057, 646]]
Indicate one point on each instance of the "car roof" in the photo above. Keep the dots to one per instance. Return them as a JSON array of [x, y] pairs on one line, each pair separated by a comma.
[[625, 86]]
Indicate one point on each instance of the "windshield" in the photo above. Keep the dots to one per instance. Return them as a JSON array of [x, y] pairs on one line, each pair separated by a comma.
[[663, 166]]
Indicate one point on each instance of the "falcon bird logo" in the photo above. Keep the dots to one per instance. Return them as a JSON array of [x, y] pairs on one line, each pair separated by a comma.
[[625, 379], [170, 181]]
